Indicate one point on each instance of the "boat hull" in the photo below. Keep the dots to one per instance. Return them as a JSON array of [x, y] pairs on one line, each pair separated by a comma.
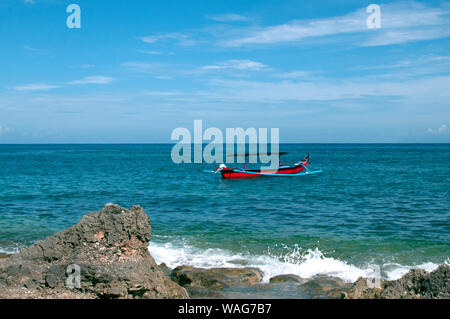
[[228, 173]]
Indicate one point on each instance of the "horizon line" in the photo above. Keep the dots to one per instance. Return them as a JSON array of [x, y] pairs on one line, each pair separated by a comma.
[[169, 143]]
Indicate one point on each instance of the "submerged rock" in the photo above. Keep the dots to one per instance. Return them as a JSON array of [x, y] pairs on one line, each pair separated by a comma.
[[208, 282], [322, 286], [107, 250], [287, 278], [416, 284]]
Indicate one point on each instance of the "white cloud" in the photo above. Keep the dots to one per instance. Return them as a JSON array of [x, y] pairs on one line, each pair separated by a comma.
[[152, 52], [400, 23], [237, 65], [37, 50], [228, 17], [140, 67], [441, 130], [93, 80], [181, 38], [29, 1], [4, 130], [408, 35], [415, 91], [35, 87]]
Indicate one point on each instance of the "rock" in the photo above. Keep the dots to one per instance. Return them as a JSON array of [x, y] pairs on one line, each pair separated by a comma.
[[287, 278], [360, 290], [416, 284], [4, 256], [107, 250], [165, 269], [322, 286], [407, 287], [208, 282], [437, 285]]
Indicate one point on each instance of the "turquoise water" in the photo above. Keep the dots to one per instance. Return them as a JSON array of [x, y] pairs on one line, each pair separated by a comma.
[[384, 204]]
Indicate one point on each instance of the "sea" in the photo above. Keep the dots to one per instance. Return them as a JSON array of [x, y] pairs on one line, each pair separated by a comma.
[[374, 208]]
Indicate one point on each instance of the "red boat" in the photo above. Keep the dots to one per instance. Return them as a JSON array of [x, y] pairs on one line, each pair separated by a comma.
[[297, 169]]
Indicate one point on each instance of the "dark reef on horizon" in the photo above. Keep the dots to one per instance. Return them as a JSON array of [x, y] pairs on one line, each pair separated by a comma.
[[110, 250]]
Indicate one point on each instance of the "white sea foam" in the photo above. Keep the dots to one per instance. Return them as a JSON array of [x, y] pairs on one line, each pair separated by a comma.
[[305, 264], [10, 249], [394, 271]]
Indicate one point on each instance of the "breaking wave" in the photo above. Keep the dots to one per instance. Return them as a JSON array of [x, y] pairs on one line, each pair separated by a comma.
[[304, 263]]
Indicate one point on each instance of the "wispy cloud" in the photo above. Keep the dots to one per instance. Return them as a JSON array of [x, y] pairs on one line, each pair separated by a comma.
[[86, 66], [291, 75], [4, 130], [181, 38], [37, 50], [151, 52], [443, 129], [400, 23], [410, 35], [93, 80], [35, 87], [228, 17], [243, 65], [160, 71], [327, 89], [144, 67]]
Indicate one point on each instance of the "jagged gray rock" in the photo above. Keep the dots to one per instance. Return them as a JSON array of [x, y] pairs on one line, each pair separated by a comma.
[[420, 284], [360, 290], [110, 247], [416, 284]]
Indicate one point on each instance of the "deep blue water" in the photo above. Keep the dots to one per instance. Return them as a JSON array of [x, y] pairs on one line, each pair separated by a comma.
[[386, 204]]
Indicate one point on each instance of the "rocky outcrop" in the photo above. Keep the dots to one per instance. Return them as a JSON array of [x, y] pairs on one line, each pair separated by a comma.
[[105, 255], [287, 278], [322, 286], [360, 290], [416, 284], [165, 269], [208, 282]]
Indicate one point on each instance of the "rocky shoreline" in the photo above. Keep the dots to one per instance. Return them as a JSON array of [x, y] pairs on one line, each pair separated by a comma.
[[106, 255]]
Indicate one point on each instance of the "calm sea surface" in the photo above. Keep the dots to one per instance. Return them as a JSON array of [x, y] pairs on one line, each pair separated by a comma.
[[383, 204]]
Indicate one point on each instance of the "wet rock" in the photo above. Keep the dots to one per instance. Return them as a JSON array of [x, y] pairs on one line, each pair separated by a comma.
[[325, 287], [360, 290], [407, 287], [107, 250], [207, 282], [437, 285], [287, 278], [416, 284]]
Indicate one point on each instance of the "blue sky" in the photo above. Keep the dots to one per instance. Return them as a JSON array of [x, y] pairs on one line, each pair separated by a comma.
[[135, 71]]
